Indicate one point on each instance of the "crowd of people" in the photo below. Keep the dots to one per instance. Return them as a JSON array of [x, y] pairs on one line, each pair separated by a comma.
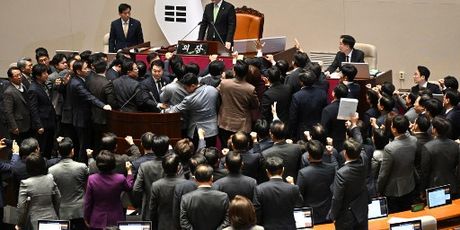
[[258, 140]]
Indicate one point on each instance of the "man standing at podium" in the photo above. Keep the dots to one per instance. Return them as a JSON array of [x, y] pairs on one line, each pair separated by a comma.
[[218, 15], [125, 31], [347, 53]]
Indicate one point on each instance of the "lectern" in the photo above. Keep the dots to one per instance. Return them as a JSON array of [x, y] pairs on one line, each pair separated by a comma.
[[202, 48]]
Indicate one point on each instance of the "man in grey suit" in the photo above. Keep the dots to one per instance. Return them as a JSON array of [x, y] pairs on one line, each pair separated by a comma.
[[396, 177], [204, 208], [200, 106], [349, 192], [162, 193], [440, 158], [70, 177]]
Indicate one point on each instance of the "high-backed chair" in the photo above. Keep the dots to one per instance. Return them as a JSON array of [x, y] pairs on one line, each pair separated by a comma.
[[105, 43], [370, 54], [249, 23]]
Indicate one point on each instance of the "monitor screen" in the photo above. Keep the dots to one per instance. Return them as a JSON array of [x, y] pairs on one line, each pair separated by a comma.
[[135, 225], [53, 225], [378, 208], [438, 196], [407, 225], [303, 217]]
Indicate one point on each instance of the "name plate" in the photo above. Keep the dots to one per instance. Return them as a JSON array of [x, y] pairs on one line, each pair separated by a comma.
[[192, 48]]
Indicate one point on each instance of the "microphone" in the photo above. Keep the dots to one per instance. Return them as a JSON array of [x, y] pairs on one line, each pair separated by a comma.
[[199, 24]]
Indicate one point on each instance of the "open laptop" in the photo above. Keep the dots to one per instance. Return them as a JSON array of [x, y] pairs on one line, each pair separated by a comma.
[[407, 225], [303, 218], [135, 225], [438, 196], [363, 69], [378, 208], [53, 225]]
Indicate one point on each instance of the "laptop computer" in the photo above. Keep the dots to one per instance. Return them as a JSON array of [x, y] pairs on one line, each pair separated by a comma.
[[363, 69], [378, 208], [407, 225], [135, 225], [438, 196], [53, 225], [303, 218]]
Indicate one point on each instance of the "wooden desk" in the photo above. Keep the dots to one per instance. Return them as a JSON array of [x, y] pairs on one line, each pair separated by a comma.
[[442, 214], [201, 60]]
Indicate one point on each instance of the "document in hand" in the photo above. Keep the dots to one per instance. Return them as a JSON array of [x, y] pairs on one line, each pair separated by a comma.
[[347, 108]]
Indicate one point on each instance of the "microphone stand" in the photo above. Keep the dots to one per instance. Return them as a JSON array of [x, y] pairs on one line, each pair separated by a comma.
[[199, 23]]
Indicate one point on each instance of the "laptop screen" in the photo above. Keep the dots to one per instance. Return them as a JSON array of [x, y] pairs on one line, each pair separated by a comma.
[[378, 208], [407, 225], [438, 196], [53, 225], [303, 217], [135, 225]]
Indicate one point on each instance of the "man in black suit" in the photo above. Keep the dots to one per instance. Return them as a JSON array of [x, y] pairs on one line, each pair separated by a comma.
[[252, 161], [25, 64], [421, 76], [42, 109], [314, 182], [235, 183], [3, 122], [347, 53], [275, 199], [292, 79], [113, 72], [306, 105], [420, 131], [335, 128], [349, 192], [278, 92], [154, 84], [348, 76], [452, 111], [260, 136], [218, 15], [17, 109], [80, 101], [204, 208], [126, 31]]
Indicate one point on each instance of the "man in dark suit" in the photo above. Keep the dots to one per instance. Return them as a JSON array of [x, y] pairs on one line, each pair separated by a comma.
[[306, 105], [278, 92], [292, 79], [25, 64], [126, 31], [347, 53], [204, 208], [275, 199], [153, 85], [335, 128], [218, 15], [421, 76], [260, 136], [17, 109], [420, 131], [314, 182], [348, 76], [440, 158], [42, 109], [113, 72], [349, 192], [452, 111], [3, 122], [290, 153], [252, 161]]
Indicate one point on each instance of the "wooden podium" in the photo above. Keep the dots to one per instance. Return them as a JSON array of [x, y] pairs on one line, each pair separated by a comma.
[[135, 124], [202, 48]]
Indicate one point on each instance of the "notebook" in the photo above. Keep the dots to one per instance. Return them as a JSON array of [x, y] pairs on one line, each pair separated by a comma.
[[303, 217], [407, 225], [438, 196], [378, 208], [135, 225], [53, 225]]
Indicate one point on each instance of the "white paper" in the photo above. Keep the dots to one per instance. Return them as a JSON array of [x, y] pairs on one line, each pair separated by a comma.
[[347, 108]]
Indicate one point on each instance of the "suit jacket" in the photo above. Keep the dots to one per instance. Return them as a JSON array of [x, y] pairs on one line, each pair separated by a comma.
[[101, 88], [349, 195], [396, 177], [180, 190], [117, 39], [274, 202], [292, 79], [211, 80], [314, 183], [454, 117], [26, 80], [17, 109], [44, 201], [41, 107], [238, 99], [356, 56], [102, 204], [225, 23], [161, 203], [148, 173], [128, 90], [6, 167], [353, 90], [200, 108], [204, 208], [422, 139], [236, 184], [440, 162], [432, 87], [111, 74], [282, 95], [305, 110], [70, 177], [334, 128], [291, 155], [149, 86], [3, 121]]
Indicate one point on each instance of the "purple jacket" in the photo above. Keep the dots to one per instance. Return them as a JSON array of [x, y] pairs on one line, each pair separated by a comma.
[[102, 205]]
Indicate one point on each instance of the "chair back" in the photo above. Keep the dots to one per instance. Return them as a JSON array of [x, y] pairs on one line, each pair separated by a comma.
[[370, 54], [249, 23]]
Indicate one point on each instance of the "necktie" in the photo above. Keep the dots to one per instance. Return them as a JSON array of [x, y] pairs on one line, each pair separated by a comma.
[[347, 59], [159, 86], [216, 11], [125, 28]]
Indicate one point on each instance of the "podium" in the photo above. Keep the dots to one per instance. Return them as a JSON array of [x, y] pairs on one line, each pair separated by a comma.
[[135, 124], [202, 48]]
